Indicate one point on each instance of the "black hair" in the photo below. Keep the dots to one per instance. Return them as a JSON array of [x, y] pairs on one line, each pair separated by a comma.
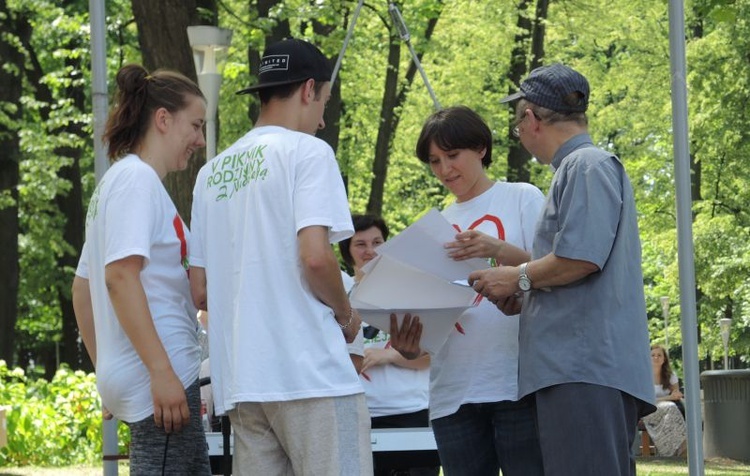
[[287, 90], [454, 128], [362, 223]]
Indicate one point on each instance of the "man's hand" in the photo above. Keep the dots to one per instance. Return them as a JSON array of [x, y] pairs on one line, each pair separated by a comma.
[[170, 402], [511, 305], [495, 284], [406, 339]]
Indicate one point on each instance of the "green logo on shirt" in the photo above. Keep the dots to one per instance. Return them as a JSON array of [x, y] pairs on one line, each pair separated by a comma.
[[94, 204], [232, 173]]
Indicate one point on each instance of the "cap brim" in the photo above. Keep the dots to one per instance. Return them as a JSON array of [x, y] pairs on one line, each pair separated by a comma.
[[513, 97], [259, 86]]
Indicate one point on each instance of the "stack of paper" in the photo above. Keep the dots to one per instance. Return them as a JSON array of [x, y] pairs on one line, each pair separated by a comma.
[[413, 273]]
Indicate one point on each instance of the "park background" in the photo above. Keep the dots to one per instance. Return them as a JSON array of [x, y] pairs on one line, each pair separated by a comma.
[[473, 52]]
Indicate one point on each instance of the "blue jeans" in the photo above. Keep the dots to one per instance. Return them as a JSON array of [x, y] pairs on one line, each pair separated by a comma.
[[482, 438]]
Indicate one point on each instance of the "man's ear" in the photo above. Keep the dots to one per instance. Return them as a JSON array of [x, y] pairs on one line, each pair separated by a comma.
[[308, 91]]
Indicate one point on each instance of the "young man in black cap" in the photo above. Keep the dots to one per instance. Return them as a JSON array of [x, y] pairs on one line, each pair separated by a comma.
[[583, 338], [265, 213]]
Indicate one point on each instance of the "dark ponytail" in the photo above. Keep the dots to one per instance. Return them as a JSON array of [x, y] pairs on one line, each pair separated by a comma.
[[138, 95]]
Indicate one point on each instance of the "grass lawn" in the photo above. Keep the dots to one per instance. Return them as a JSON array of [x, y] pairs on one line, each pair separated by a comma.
[[645, 467], [123, 469], [674, 466]]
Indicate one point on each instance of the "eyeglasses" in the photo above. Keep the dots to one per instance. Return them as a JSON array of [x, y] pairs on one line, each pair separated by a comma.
[[517, 123]]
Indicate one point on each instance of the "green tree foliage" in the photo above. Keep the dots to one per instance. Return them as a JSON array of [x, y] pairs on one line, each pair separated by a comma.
[[472, 58], [52, 423]]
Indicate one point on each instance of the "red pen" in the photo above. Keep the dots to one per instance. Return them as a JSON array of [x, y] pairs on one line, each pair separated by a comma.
[[460, 329], [367, 377]]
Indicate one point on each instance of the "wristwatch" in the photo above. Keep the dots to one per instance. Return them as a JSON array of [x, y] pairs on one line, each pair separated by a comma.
[[523, 279]]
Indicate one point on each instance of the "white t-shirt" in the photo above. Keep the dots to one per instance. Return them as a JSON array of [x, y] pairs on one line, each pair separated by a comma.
[[357, 346], [665, 392], [131, 214], [271, 339], [393, 390], [481, 365]]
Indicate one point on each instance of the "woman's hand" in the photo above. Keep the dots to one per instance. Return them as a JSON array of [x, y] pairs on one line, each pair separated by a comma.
[[170, 402], [474, 244], [376, 357]]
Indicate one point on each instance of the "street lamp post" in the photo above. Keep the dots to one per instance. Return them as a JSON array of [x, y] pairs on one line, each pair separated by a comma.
[[725, 324], [665, 312], [210, 45]]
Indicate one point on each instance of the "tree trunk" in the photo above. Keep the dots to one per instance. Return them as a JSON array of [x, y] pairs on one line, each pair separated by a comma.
[[390, 114], [164, 44], [385, 128], [537, 36], [10, 96], [518, 157], [69, 203], [279, 31], [332, 113]]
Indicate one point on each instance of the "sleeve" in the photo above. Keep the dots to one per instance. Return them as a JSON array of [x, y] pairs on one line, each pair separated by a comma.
[[196, 253], [673, 379], [589, 206], [319, 194], [82, 270], [130, 219], [357, 347], [348, 282]]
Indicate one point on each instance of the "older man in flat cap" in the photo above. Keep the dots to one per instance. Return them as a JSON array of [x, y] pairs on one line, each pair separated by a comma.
[[584, 346]]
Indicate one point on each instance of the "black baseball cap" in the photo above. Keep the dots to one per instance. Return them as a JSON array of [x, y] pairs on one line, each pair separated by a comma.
[[290, 61], [547, 86]]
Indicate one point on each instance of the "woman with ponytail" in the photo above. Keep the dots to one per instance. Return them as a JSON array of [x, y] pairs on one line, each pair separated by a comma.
[[131, 294]]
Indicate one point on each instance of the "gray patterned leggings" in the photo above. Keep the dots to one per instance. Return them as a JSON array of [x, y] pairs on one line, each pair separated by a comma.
[[153, 452]]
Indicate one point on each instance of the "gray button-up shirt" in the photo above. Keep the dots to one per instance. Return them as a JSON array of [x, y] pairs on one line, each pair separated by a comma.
[[593, 330]]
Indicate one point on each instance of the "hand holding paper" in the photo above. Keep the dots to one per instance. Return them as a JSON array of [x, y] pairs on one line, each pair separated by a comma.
[[414, 274], [405, 339], [474, 244]]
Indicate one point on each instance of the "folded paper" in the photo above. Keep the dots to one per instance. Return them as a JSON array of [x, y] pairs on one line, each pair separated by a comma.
[[413, 273]]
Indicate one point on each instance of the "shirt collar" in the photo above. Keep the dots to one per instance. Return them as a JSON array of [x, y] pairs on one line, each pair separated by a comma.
[[576, 142]]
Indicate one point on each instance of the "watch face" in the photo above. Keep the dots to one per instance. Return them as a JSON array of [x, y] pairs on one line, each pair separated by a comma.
[[524, 283]]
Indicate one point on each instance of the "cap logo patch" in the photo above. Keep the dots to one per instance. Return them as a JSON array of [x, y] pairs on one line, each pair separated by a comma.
[[274, 63]]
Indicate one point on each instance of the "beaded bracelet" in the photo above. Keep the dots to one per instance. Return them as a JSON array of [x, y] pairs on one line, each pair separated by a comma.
[[348, 323]]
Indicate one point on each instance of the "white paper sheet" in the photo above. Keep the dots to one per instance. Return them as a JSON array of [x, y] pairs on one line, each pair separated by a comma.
[[413, 273]]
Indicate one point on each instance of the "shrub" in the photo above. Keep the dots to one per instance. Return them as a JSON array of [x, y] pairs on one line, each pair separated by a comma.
[[55, 423]]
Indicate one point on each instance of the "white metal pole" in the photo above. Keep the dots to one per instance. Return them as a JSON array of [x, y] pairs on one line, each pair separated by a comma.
[[100, 105], [210, 84], [99, 98], [665, 312], [725, 326], [685, 237], [726, 356]]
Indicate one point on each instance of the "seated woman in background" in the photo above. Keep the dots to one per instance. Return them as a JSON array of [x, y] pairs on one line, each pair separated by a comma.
[[666, 426], [396, 388]]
